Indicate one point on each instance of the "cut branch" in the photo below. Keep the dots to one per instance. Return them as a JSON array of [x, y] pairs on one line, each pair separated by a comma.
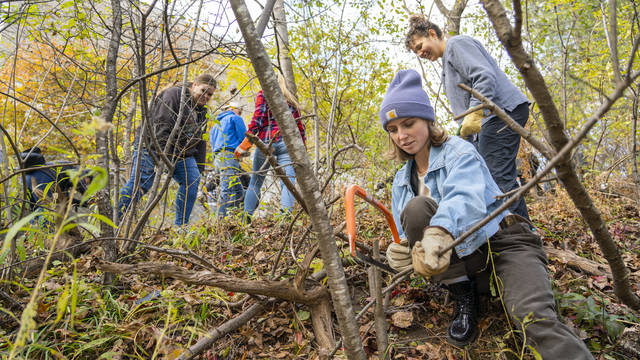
[[282, 289], [220, 331]]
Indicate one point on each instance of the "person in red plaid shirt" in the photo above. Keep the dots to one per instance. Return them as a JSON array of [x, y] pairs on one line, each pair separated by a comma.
[[263, 124]]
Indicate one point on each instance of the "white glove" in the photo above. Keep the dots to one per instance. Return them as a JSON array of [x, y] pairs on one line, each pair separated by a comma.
[[426, 261], [399, 255]]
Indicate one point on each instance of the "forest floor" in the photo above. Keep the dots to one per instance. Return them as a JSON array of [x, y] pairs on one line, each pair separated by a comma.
[[145, 316]]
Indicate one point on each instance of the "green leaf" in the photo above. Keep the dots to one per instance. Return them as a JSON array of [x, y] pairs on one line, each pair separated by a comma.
[[303, 315], [99, 181], [93, 344], [74, 294], [103, 218], [61, 306], [11, 233], [614, 328]]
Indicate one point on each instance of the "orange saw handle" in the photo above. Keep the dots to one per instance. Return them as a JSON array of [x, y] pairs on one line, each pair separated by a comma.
[[350, 214]]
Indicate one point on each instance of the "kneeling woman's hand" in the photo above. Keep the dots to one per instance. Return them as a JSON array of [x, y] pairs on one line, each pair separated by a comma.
[[426, 261], [399, 255]]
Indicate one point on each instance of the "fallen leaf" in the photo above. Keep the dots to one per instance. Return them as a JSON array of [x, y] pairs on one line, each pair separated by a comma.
[[402, 319], [261, 255]]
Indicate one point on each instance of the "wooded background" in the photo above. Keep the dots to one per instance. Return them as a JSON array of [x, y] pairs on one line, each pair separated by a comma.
[[77, 78]]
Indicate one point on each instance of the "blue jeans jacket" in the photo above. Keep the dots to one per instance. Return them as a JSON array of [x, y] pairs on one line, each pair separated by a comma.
[[461, 184]]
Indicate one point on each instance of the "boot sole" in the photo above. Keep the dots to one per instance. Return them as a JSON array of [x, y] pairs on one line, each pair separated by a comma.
[[462, 344]]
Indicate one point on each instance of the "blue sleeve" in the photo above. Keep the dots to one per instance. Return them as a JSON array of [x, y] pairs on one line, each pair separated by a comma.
[[212, 140], [241, 128], [469, 59], [463, 201], [397, 207]]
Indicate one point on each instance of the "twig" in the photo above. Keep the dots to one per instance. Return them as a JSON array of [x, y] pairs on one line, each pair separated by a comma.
[[333, 164], [19, 171], [399, 277], [542, 148], [469, 111], [274, 163], [8, 298], [284, 242], [224, 329], [509, 193], [73, 147], [201, 261], [559, 157]]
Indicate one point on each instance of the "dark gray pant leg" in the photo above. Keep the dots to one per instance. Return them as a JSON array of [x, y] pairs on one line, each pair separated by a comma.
[[521, 265], [415, 217]]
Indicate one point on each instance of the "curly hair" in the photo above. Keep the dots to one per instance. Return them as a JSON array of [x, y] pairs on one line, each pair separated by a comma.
[[419, 25]]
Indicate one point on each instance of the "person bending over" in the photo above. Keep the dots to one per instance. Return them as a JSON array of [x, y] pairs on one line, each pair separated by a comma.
[[466, 61]]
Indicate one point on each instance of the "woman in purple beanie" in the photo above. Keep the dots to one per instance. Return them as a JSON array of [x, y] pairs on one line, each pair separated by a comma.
[[444, 189]]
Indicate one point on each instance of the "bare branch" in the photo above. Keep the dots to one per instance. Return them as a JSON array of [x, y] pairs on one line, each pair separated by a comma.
[[73, 147], [279, 171], [526, 134], [220, 331], [281, 289]]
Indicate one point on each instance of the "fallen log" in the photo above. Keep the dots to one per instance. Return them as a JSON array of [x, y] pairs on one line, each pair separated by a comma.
[[578, 262], [282, 289]]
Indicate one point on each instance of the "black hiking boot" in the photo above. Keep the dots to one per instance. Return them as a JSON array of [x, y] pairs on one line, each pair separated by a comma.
[[463, 329]]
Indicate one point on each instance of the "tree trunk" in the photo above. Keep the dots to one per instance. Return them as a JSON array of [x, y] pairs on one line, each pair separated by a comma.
[[511, 40], [453, 16], [316, 128], [308, 184], [634, 145], [322, 329], [127, 144], [282, 35], [102, 137]]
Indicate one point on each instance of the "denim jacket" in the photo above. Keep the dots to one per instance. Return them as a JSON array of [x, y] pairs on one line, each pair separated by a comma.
[[461, 184]]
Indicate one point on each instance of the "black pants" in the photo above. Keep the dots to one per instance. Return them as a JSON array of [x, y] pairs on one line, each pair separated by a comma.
[[520, 264], [498, 144]]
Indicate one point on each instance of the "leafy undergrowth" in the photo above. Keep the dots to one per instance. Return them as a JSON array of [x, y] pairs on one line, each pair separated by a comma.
[[145, 317]]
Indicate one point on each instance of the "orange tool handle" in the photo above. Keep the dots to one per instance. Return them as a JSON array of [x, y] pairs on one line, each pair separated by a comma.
[[350, 214]]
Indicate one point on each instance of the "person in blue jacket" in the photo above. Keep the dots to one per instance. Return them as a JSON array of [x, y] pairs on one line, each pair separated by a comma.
[[224, 137], [43, 180], [444, 189], [466, 61]]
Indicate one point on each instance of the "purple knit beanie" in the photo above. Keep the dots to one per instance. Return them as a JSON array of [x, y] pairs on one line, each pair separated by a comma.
[[405, 98]]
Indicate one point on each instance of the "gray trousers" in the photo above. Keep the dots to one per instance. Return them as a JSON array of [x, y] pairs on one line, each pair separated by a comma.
[[521, 265]]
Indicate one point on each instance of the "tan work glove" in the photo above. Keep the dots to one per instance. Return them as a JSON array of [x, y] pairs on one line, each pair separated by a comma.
[[426, 262], [472, 124], [242, 149], [399, 255]]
